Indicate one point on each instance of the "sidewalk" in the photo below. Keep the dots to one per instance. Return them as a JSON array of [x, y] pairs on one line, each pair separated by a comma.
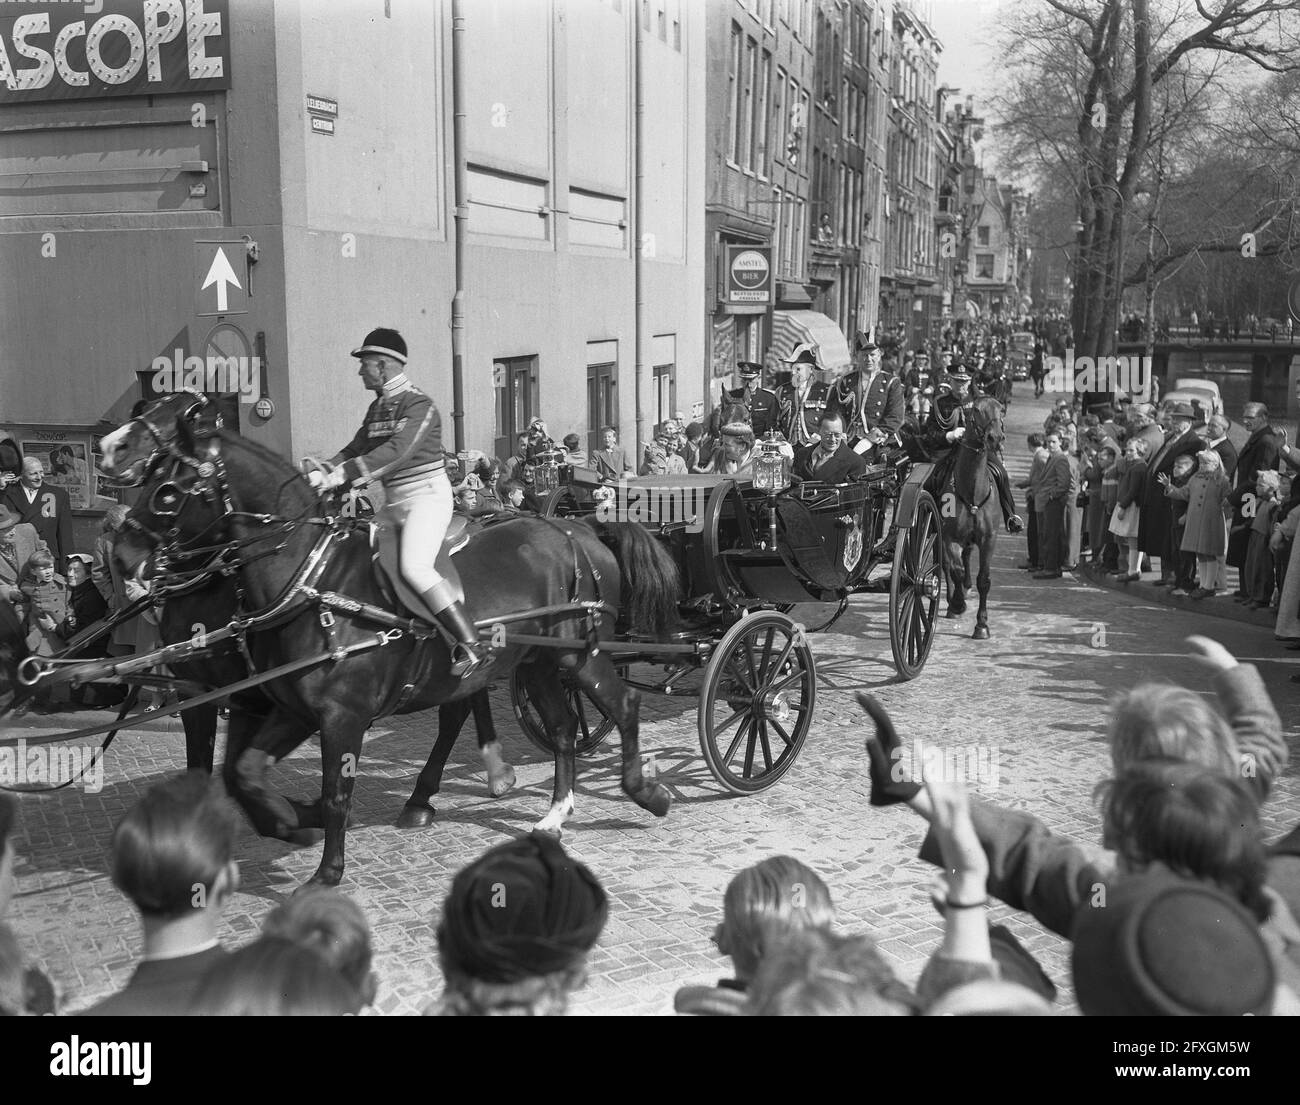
[[1221, 606]]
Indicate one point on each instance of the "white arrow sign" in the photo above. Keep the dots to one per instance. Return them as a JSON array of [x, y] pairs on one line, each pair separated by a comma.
[[222, 275]]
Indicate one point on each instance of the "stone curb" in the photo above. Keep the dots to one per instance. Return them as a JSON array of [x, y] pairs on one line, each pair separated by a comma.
[[1221, 606]]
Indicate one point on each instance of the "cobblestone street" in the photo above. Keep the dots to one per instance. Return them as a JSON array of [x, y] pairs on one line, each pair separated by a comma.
[[1033, 696]]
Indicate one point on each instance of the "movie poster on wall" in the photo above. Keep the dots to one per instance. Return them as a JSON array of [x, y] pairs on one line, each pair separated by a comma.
[[66, 463]]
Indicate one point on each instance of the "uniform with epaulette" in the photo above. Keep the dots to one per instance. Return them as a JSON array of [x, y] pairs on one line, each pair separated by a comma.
[[801, 403], [764, 405], [870, 402]]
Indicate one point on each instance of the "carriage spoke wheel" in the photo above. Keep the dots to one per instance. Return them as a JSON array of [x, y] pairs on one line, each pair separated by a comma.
[[915, 589], [593, 724], [757, 702]]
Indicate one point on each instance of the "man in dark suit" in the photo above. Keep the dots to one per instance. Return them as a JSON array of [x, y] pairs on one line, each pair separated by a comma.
[[44, 507], [870, 401], [803, 399], [1216, 437], [1156, 536], [1261, 453], [830, 460], [1056, 484], [173, 857]]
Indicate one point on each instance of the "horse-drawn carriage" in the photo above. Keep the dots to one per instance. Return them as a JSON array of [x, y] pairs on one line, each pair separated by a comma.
[[747, 552], [689, 573]]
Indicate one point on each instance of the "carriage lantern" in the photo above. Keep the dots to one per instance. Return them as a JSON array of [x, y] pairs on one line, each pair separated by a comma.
[[771, 466], [546, 475]]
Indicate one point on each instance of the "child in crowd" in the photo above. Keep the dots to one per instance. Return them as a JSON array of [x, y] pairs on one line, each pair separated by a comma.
[[1184, 469], [273, 977], [1107, 458], [1257, 573], [762, 906], [1206, 534], [1132, 474], [1094, 465], [47, 608], [329, 923]]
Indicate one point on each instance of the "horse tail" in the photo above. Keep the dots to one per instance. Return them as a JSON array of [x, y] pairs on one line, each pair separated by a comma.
[[650, 580]]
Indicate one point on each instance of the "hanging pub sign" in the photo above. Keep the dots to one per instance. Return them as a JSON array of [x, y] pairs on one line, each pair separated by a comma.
[[749, 275], [77, 51]]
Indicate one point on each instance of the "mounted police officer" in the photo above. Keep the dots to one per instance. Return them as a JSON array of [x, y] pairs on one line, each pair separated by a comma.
[[869, 401], [802, 399], [400, 445], [764, 406], [939, 437]]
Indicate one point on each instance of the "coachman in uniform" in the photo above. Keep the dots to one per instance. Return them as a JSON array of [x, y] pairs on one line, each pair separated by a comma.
[[802, 399], [869, 401], [400, 445], [939, 436], [764, 407]]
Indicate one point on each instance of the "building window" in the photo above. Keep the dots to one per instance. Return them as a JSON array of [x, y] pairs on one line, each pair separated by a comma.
[[761, 120], [778, 116], [517, 401], [734, 97], [984, 266], [745, 150], [665, 391], [982, 235]]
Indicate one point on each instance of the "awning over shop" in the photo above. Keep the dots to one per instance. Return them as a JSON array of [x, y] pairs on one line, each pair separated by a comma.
[[791, 328]]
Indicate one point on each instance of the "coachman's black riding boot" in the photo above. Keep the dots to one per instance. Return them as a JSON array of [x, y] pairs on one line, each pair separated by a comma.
[[451, 615], [1014, 522]]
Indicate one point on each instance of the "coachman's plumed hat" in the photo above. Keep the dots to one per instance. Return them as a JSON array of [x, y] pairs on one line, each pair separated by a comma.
[[383, 343]]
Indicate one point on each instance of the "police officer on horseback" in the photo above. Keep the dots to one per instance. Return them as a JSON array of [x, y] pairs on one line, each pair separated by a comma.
[[944, 428], [400, 445]]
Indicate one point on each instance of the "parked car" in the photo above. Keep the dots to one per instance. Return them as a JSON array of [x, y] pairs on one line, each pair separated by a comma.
[[1201, 399]]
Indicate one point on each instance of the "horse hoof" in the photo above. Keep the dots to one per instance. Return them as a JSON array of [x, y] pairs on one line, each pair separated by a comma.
[[323, 877], [415, 817], [655, 798], [501, 783], [981, 633]]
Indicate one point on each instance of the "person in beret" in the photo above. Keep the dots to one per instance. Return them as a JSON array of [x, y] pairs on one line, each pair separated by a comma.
[[516, 929]]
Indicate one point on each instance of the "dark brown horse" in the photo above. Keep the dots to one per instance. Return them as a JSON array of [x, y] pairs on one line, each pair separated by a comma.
[[216, 490], [971, 513]]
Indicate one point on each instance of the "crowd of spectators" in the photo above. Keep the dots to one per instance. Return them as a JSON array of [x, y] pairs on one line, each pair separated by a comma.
[[1166, 492], [1182, 866]]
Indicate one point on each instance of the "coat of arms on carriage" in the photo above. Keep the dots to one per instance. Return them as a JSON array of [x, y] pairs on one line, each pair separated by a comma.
[[853, 547]]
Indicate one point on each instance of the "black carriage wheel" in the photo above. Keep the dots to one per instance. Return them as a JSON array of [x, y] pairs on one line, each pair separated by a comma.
[[593, 725], [915, 589], [757, 702]]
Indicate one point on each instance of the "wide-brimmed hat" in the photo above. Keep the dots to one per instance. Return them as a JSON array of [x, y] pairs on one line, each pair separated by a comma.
[[804, 353], [1182, 410], [8, 519], [384, 343]]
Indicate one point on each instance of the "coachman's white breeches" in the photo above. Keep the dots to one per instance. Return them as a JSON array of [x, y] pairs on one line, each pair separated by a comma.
[[421, 514]]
